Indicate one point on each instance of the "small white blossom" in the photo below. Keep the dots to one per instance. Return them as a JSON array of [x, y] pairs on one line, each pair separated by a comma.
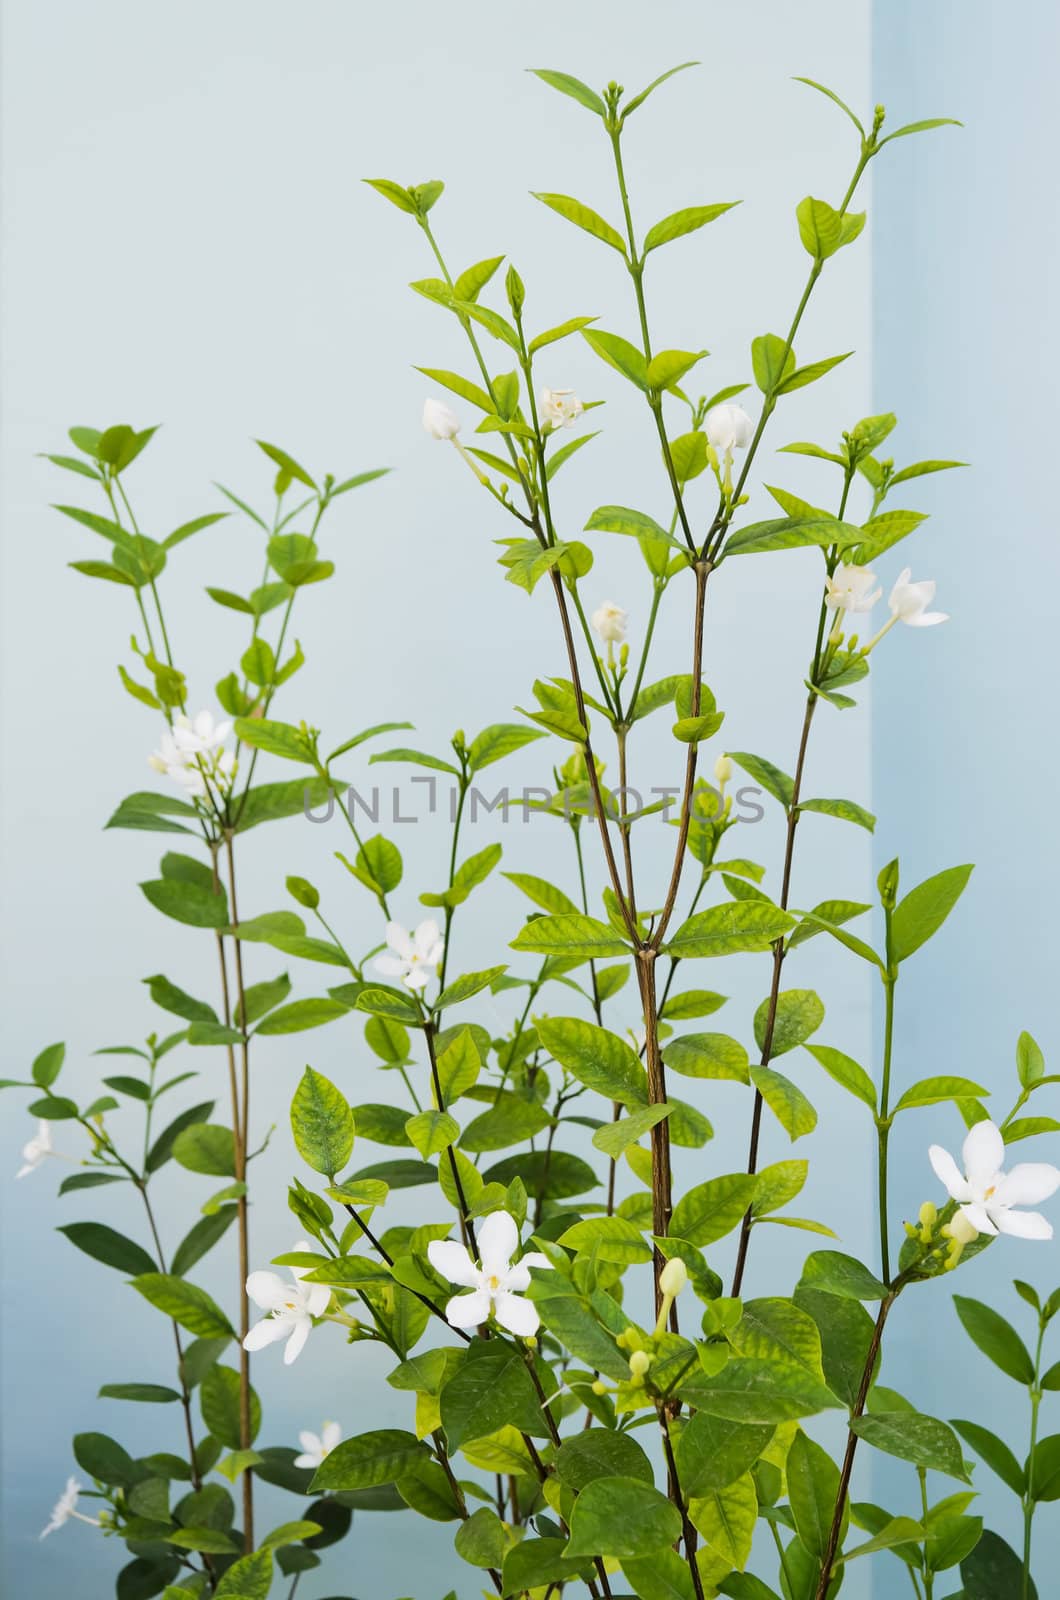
[[986, 1194], [413, 957], [610, 622], [560, 407], [439, 421], [200, 735], [851, 588], [37, 1150], [496, 1284], [192, 754], [289, 1306], [728, 428], [909, 601], [65, 1508], [315, 1446]]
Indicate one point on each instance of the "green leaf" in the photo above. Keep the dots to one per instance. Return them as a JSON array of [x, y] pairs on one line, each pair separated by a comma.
[[764, 773], [846, 1331], [597, 1058], [995, 1452], [799, 1012], [622, 1517], [708, 1055], [388, 1003], [996, 1338], [103, 1458], [48, 1065], [835, 99], [924, 1441], [170, 998], [1030, 1063], [190, 903], [322, 1124], [499, 740], [249, 1578], [820, 227], [901, 133], [712, 1209], [275, 738], [567, 935], [574, 87], [146, 1393], [748, 1390], [811, 372], [187, 1304], [713, 1452], [432, 1131], [219, 1399], [743, 926], [206, 1147], [842, 1275], [846, 1072], [538, 1564], [469, 984], [932, 1091], [611, 1239], [620, 354], [615, 1137], [813, 1488], [286, 463], [634, 524], [776, 1329], [107, 1245], [201, 1238], [786, 1101], [772, 360], [510, 1120], [302, 1014], [668, 367], [1045, 1469], [584, 217], [543, 893], [924, 909], [993, 1569], [599, 1453], [490, 1388], [381, 1456], [845, 810], [162, 1149], [679, 223]]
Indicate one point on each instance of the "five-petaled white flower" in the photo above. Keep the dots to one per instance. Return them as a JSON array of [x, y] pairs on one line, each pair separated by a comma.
[[413, 957], [560, 407], [496, 1284], [315, 1446], [986, 1194], [851, 588], [610, 622], [728, 428], [289, 1307], [172, 761], [200, 735], [192, 754], [65, 1508], [38, 1149], [909, 601], [439, 421]]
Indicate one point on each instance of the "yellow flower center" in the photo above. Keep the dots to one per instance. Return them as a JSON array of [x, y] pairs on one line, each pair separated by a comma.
[[494, 1284], [990, 1191]]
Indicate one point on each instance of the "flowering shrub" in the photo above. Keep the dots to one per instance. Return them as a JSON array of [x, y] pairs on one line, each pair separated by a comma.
[[595, 1401]]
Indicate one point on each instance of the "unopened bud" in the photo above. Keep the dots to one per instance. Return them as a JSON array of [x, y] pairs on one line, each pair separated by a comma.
[[674, 1277], [599, 1387], [639, 1362], [723, 770]]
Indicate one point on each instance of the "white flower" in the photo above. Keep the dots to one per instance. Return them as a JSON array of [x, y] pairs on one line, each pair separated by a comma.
[[172, 761], [496, 1284], [413, 957], [439, 421], [728, 428], [201, 735], [850, 588], [290, 1309], [65, 1508], [610, 622], [316, 1446], [909, 601], [986, 1194], [560, 407], [37, 1150]]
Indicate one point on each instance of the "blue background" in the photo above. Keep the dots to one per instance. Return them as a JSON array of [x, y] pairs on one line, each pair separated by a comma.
[[185, 240]]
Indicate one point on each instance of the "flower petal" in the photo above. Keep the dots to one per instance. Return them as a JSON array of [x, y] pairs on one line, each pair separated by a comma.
[[399, 940], [267, 1331], [1027, 1184], [296, 1343], [498, 1240], [977, 1215], [984, 1154], [306, 1460], [519, 1316], [1024, 1224], [317, 1298], [453, 1262], [426, 936], [331, 1436], [311, 1443], [391, 966], [949, 1173], [468, 1310], [267, 1290]]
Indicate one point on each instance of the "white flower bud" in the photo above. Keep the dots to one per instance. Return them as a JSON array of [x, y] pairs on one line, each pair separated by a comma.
[[723, 770], [639, 1362], [674, 1277], [610, 622], [728, 427], [439, 421]]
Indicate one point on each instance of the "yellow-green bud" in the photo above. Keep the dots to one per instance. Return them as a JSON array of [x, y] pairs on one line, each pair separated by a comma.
[[639, 1362], [620, 1340], [674, 1277], [599, 1387]]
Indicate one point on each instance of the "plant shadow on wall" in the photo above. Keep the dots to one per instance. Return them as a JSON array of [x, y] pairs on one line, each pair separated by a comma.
[[577, 1428]]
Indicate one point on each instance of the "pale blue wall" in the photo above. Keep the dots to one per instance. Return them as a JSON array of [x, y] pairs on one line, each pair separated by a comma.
[[966, 346]]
